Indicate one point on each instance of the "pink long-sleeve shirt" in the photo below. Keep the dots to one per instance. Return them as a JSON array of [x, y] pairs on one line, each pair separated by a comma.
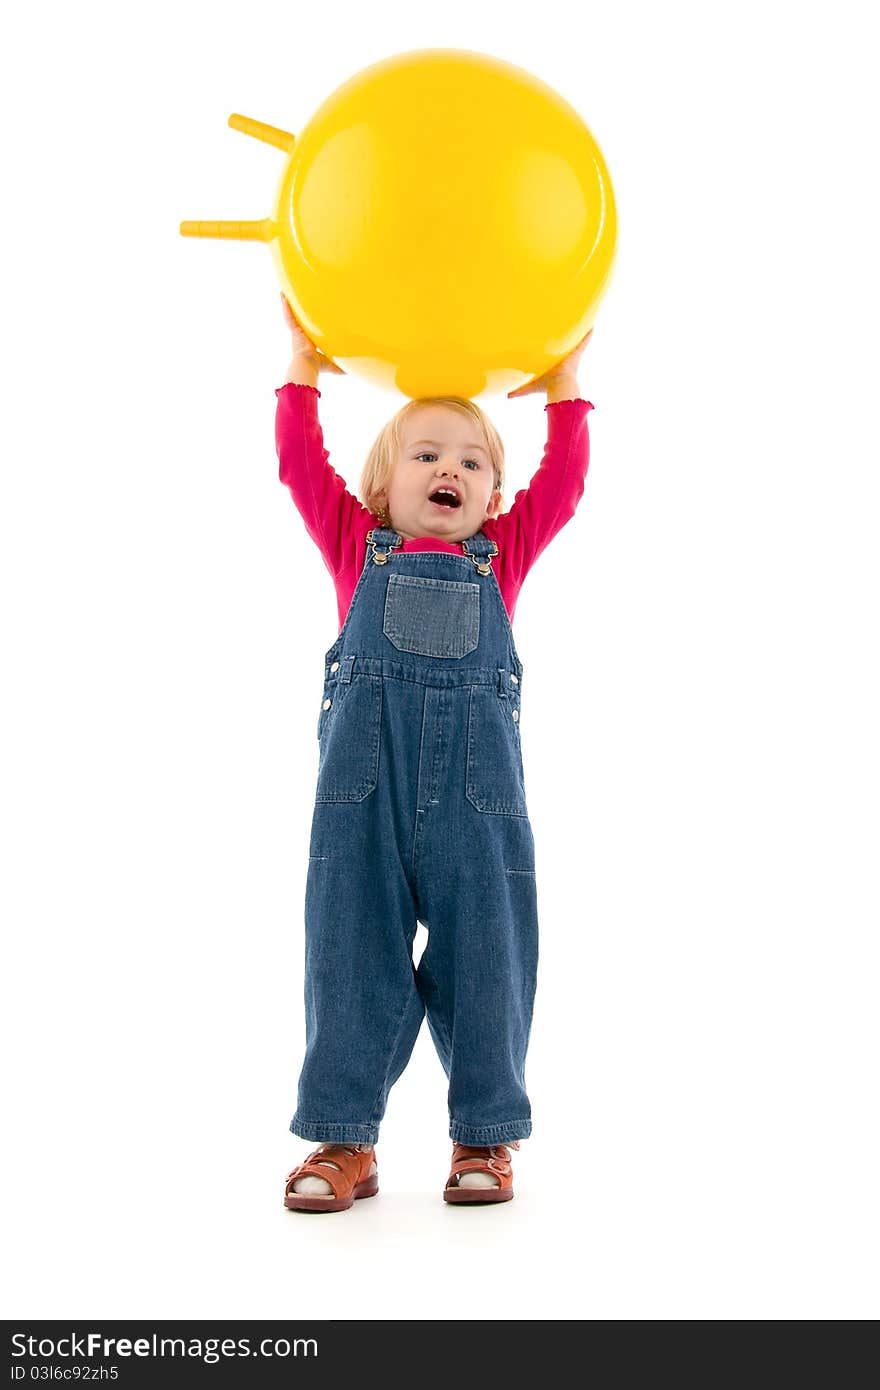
[[338, 522]]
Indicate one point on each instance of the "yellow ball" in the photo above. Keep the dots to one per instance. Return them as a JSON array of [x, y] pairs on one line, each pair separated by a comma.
[[444, 224]]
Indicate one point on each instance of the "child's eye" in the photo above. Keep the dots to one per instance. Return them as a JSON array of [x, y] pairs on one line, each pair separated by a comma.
[[431, 456]]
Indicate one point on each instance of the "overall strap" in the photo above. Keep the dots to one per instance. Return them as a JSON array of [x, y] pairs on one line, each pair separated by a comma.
[[481, 550], [381, 540]]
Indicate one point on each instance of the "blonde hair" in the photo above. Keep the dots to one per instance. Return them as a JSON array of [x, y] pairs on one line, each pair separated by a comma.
[[385, 450]]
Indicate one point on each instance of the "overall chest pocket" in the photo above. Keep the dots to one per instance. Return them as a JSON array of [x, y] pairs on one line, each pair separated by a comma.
[[349, 734], [432, 617]]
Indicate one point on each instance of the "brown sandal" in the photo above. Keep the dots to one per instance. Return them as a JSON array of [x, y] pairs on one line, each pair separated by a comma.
[[494, 1159], [351, 1179]]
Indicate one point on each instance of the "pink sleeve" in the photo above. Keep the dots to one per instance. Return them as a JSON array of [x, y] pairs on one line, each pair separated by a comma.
[[330, 512], [540, 511]]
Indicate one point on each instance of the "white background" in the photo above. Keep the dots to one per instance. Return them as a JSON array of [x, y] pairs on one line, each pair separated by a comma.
[[699, 723]]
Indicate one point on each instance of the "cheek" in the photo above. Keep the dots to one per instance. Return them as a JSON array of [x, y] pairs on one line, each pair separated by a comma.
[[485, 495]]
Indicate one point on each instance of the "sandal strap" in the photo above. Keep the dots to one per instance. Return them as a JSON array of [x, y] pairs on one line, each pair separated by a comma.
[[353, 1165], [489, 1158]]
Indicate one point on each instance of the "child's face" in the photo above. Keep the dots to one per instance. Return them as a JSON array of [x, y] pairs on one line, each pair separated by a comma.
[[439, 448]]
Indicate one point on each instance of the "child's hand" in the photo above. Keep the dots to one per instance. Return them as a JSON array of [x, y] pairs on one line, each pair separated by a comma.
[[303, 345], [566, 368]]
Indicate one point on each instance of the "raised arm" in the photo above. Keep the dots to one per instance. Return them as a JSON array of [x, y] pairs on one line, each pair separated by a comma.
[[327, 508], [540, 510]]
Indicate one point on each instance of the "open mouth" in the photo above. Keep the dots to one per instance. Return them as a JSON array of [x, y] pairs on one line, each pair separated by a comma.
[[443, 497]]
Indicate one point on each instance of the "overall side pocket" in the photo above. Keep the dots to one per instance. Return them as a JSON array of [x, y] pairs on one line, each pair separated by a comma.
[[349, 733], [494, 780]]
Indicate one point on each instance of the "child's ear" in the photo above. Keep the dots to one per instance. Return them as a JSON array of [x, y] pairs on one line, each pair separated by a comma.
[[494, 506]]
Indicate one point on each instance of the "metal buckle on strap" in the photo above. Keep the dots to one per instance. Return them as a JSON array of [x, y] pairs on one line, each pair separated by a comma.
[[481, 566], [380, 557]]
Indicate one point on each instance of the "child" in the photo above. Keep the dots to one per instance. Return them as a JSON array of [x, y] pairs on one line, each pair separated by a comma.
[[420, 810]]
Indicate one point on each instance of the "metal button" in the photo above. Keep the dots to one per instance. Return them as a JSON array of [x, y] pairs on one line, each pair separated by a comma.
[[327, 704], [335, 666], [515, 713], [514, 678]]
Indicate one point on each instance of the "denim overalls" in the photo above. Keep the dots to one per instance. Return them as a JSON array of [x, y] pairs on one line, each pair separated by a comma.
[[420, 816]]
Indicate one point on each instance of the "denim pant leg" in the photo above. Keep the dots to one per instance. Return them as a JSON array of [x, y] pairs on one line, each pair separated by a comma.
[[363, 1010], [478, 972]]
